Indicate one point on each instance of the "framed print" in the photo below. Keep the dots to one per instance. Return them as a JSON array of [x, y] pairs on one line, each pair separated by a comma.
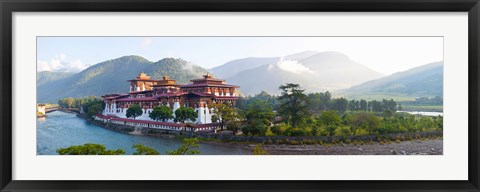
[[239, 95]]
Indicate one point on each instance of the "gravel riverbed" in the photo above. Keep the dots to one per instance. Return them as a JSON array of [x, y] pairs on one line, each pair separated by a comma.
[[414, 147]]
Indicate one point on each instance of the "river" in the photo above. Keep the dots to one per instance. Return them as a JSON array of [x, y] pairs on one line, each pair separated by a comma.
[[60, 130], [424, 113]]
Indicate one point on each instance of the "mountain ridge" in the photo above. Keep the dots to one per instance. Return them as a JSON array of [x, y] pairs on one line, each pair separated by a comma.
[[424, 80], [315, 71], [97, 79]]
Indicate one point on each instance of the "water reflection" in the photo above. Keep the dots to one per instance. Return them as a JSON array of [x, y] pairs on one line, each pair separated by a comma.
[[61, 129]]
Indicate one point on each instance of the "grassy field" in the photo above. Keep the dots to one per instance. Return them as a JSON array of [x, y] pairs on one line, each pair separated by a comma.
[[407, 101], [375, 96], [431, 108]]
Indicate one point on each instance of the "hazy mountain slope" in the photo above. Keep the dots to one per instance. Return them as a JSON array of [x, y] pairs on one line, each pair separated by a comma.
[[335, 70], [178, 69], [234, 67], [426, 80], [264, 78], [48, 76], [301, 55], [111, 77], [318, 72]]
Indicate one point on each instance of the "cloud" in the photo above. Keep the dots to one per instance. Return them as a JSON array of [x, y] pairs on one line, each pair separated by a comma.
[[62, 56], [146, 42], [43, 66], [77, 66], [60, 63], [188, 66], [292, 66]]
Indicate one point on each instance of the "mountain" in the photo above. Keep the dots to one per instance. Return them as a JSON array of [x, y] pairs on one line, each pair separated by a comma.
[[301, 55], [111, 77], [314, 71], [425, 80], [232, 68], [44, 77], [236, 66]]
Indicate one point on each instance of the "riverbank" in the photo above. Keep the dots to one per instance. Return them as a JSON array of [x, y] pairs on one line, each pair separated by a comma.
[[402, 143], [72, 110], [414, 147], [423, 143], [293, 140]]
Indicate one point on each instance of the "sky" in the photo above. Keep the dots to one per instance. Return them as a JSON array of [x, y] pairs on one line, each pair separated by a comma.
[[385, 55]]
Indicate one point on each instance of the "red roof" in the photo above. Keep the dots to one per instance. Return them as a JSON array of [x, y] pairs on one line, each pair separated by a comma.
[[225, 97], [146, 91], [202, 94], [150, 80], [205, 125], [208, 85], [170, 94], [114, 96], [138, 99]]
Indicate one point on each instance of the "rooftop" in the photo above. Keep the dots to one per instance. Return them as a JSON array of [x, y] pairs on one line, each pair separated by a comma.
[[138, 99]]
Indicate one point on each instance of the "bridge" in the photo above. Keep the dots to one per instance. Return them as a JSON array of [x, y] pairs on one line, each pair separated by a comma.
[[51, 109]]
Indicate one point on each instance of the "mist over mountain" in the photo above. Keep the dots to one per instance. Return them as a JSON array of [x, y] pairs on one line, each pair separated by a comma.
[[301, 55], [234, 67], [111, 77], [425, 80], [44, 77], [314, 71]]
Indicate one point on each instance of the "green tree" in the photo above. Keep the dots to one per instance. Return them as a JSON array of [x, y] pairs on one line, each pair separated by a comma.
[[363, 105], [134, 111], [438, 122], [340, 104], [362, 120], [94, 109], [258, 150], [264, 96], [425, 123], [371, 123], [242, 102], [89, 149], [161, 113], [325, 100], [375, 106], [353, 122], [185, 113], [234, 126], [293, 105], [353, 105], [314, 101], [258, 115], [189, 147], [144, 150], [329, 117], [389, 107], [330, 120], [223, 113]]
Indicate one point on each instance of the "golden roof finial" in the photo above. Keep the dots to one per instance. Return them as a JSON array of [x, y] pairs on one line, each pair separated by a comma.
[[143, 75], [207, 76]]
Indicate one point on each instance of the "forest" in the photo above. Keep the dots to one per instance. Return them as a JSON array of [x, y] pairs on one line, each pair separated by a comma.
[[295, 113]]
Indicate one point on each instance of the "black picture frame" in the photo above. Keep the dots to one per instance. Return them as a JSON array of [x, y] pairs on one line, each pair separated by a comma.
[[7, 7]]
